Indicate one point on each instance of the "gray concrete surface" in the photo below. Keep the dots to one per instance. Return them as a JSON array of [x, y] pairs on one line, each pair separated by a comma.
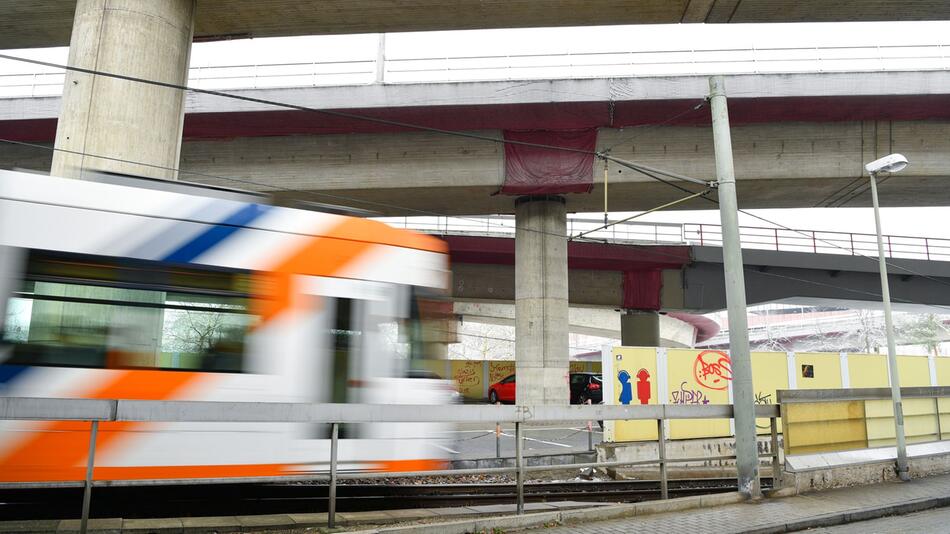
[[929, 522], [541, 301], [820, 509], [47, 22], [119, 118]]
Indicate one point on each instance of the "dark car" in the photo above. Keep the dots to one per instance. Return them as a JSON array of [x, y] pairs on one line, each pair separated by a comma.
[[587, 386]]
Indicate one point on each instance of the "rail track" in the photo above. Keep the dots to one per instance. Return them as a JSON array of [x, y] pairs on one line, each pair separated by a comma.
[[250, 499]]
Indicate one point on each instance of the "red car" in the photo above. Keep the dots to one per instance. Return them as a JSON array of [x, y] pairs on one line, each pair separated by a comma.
[[584, 387], [503, 390]]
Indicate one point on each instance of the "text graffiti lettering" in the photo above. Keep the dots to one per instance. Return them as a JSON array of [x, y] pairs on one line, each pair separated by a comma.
[[688, 396], [712, 369]]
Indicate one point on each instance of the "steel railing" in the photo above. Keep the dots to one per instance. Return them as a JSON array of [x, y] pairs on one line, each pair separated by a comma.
[[823, 242], [752, 237], [96, 411], [618, 63]]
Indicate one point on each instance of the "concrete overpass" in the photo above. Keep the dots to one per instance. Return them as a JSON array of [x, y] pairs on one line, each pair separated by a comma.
[[49, 22], [139, 126], [820, 128]]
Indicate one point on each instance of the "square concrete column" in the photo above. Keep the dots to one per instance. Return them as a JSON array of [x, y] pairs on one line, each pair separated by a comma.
[[541, 305], [122, 119], [640, 328]]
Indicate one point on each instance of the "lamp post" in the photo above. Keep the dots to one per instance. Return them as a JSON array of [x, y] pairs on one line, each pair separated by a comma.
[[891, 163]]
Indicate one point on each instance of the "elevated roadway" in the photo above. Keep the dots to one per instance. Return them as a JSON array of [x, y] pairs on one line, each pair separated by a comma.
[[49, 22], [800, 140]]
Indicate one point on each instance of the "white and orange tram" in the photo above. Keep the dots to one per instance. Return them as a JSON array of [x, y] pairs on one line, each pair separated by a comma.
[[137, 289]]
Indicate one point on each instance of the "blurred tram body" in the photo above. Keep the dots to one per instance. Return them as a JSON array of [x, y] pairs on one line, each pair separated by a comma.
[[179, 292]]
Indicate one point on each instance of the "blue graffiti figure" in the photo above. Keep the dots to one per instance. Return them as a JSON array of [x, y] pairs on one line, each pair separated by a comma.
[[626, 388]]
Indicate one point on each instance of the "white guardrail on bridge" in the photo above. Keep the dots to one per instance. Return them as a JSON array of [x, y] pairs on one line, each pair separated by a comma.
[[100, 410], [380, 68], [752, 237]]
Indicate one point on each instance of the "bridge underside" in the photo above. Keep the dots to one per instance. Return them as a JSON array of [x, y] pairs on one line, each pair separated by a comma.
[[41, 23]]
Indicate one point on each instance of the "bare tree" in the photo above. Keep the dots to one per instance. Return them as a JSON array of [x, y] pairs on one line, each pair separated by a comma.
[[196, 332]]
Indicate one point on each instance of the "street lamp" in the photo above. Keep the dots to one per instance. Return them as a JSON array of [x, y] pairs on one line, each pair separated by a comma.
[[891, 163]]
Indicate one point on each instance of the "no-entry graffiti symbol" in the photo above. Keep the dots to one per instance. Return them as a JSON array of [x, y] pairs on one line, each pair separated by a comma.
[[712, 369]]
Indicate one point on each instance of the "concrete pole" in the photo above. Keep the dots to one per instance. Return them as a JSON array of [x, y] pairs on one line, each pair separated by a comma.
[[747, 460], [902, 469], [640, 328], [118, 118], [541, 309], [381, 59]]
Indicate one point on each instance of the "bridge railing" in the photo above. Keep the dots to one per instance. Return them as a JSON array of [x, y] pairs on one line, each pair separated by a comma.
[[504, 226], [753, 237], [96, 411], [823, 242], [368, 69]]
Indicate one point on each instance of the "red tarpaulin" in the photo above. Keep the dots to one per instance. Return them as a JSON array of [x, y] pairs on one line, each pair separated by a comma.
[[641, 290], [531, 170]]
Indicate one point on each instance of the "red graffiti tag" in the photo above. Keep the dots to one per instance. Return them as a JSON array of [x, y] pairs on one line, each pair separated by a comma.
[[712, 369]]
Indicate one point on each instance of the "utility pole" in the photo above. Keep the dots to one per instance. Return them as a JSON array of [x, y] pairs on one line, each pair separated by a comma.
[[747, 455]]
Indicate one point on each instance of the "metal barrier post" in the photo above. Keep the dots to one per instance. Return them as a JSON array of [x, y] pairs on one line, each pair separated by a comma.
[[519, 464], [497, 440], [590, 432], [661, 449], [334, 438], [776, 467], [87, 490]]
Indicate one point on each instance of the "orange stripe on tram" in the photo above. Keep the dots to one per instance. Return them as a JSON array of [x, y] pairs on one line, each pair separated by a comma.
[[405, 466], [57, 450]]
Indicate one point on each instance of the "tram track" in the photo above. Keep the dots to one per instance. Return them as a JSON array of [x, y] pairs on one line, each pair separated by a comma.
[[251, 499]]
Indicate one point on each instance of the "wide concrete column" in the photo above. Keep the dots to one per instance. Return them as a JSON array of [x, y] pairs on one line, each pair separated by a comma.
[[640, 328], [123, 119], [541, 305]]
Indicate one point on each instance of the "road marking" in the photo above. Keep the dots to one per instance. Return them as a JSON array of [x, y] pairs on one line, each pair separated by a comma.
[[446, 449], [585, 430], [541, 441]]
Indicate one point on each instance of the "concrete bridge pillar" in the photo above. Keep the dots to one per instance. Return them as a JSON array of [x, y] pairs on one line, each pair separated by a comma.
[[122, 119], [541, 305], [640, 328]]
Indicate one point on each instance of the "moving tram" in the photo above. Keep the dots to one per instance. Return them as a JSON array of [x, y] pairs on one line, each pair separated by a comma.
[[127, 288]]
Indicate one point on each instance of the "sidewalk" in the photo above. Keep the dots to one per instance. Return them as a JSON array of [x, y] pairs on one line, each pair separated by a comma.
[[789, 514]]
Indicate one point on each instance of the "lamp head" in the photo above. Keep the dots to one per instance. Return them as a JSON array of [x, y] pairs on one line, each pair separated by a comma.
[[891, 163]]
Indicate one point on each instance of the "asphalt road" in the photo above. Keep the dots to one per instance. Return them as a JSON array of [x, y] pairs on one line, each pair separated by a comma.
[[479, 441]]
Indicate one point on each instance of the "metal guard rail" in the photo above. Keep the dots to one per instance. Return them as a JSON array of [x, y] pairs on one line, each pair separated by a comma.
[[100, 410]]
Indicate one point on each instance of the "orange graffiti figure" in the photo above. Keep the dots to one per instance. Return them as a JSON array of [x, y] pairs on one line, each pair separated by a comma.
[[712, 369]]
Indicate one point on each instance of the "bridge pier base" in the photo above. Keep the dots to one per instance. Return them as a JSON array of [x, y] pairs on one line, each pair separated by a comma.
[[541, 300], [124, 119], [640, 328]]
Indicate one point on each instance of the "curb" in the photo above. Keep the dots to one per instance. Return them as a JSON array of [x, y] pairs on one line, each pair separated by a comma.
[[560, 517], [860, 514]]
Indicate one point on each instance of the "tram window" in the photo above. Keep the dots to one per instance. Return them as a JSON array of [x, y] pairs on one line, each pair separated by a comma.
[[80, 318]]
